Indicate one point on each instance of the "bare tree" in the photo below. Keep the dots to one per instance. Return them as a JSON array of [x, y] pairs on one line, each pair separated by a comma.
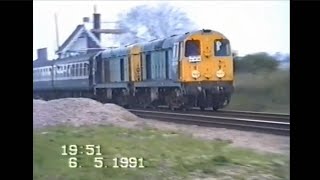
[[144, 23]]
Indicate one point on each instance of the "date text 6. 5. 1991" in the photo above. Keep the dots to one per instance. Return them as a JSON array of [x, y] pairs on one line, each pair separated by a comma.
[[73, 150]]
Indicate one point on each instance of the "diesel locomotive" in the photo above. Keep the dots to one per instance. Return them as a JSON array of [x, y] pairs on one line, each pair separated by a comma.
[[194, 69]]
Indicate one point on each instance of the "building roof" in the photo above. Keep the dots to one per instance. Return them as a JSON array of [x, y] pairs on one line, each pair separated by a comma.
[[41, 63], [80, 30]]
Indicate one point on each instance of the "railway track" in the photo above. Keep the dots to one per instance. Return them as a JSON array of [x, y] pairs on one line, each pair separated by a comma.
[[280, 117], [278, 124]]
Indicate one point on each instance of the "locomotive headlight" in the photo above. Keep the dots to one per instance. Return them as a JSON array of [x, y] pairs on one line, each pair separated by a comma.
[[195, 74], [220, 73]]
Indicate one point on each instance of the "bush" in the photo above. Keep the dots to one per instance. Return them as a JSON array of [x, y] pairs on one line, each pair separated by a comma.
[[262, 91], [254, 63]]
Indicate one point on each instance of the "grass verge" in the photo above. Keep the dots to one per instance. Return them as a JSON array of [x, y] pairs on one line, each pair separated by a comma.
[[166, 156]]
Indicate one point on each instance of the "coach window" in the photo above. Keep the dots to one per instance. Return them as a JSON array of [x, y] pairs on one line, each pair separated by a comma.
[[46, 74], [68, 71], [80, 70], [85, 69], [72, 70], [77, 70], [57, 71], [63, 74], [62, 71], [192, 48], [40, 74], [222, 47]]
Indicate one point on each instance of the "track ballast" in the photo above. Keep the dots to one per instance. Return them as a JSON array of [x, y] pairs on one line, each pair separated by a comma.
[[278, 124]]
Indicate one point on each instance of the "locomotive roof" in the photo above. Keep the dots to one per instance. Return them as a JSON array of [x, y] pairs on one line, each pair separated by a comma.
[[152, 45], [156, 44], [123, 51], [176, 38], [169, 41]]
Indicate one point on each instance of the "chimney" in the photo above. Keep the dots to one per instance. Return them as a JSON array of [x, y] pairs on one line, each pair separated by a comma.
[[96, 24], [86, 20], [42, 54]]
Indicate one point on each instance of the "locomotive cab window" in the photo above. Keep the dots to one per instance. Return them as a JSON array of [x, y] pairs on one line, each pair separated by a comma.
[[222, 47], [192, 48]]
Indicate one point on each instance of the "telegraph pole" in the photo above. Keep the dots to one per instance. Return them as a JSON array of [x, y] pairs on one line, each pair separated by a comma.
[[57, 31]]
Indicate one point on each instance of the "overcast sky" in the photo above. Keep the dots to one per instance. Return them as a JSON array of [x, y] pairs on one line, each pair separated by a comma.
[[252, 26]]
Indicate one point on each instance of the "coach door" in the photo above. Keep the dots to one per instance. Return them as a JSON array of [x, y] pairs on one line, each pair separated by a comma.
[[98, 69]]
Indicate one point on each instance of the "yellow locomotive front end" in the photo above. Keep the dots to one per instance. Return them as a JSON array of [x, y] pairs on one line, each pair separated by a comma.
[[207, 68]]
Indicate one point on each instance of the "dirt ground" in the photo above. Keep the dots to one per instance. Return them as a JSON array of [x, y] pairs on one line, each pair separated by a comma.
[[82, 111]]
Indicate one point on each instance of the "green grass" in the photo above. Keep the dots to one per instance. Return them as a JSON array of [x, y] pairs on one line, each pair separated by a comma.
[[269, 92], [166, 156]]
